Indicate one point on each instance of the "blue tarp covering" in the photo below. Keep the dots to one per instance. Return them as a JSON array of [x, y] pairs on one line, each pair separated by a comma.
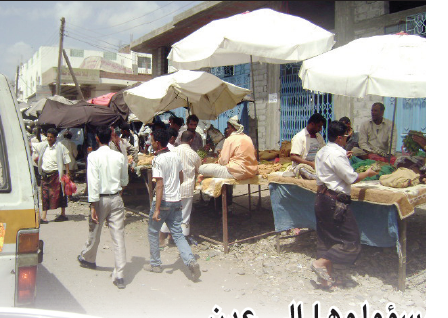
[[293, 207]]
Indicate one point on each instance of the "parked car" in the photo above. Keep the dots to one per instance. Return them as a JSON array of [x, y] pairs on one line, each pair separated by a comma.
[[20, 247]]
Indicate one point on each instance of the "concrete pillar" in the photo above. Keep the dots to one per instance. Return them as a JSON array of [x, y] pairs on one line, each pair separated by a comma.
[[159, 61], [344, 23]]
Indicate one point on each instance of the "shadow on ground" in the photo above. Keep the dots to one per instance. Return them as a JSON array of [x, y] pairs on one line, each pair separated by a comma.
[[52, 295]]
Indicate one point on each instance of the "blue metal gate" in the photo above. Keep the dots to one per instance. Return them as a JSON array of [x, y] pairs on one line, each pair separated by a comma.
[[411, 115], [238, 75], [297, 104]]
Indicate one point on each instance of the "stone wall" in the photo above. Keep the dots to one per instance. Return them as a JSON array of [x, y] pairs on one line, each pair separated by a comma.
[[266, 82]]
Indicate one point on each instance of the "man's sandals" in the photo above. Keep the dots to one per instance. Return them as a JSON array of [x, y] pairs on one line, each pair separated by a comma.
[[325, 280]]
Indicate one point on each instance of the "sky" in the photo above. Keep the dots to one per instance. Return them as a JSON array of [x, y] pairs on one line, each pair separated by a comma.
[[94, 25]]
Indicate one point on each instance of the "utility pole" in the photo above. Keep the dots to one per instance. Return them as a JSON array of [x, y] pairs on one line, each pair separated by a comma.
[[17, 81], [73, 74], [61, 39]]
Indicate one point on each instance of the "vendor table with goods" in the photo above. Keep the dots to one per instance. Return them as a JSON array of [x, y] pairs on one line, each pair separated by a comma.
[[136, 190], [381, 212]]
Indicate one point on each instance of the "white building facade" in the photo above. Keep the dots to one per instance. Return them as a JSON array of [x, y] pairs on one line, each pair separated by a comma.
[[97, 73]]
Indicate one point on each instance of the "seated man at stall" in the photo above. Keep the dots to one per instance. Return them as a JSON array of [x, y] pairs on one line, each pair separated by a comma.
[[237, 159], [306, 143], [192, 123], [374, 135]]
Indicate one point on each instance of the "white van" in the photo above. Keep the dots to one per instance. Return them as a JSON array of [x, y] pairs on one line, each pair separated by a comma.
[[20, 248]]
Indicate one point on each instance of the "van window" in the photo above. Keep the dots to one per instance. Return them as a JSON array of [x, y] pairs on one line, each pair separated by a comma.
[[5, 181]]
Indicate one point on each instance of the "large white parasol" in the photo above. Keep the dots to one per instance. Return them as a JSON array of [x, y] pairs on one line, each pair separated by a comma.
[[383, 65], [266, 35], [262, 35]]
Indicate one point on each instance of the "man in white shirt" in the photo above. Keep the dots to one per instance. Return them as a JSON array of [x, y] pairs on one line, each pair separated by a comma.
[[338, 237], [167, 207], [190, 167], [107, 174], [129, 135], [306, 143], [53, 158], [122, 145], [374, 134], [72, 149], [173, 133]]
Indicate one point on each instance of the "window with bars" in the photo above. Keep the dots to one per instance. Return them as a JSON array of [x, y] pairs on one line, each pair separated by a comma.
[[110, 56], [144, 62], [416, 24], [76, 53]]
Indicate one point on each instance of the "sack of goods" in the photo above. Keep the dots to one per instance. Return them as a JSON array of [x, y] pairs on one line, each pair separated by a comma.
[[402, 178]]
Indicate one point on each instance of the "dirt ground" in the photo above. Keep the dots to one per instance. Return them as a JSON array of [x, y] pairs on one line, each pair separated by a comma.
[[278, 278]]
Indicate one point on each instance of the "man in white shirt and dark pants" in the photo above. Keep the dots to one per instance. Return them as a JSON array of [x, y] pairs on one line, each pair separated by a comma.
[[190, 168], [167, 207], [107, 174], [338, 237]]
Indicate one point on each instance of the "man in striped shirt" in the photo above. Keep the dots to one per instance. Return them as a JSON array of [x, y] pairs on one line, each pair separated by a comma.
[[190, 167]]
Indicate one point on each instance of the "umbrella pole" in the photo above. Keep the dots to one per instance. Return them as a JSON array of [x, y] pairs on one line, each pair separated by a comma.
[[392, 132], [255, 108]]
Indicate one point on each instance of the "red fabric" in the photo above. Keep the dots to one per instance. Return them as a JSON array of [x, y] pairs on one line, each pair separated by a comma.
[[376, 157], [102, 100]]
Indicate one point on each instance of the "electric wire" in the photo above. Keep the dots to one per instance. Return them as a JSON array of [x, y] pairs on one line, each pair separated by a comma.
[[150, 21], [113, 26]]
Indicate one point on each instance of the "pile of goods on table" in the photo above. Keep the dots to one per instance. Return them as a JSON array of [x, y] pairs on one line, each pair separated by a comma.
[[145, 160], [274, 160]]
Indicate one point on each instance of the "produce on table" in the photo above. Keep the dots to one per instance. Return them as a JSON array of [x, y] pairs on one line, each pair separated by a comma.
[[202, 153]]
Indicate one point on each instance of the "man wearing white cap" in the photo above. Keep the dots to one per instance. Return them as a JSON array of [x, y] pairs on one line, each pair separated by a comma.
[[237, 159]]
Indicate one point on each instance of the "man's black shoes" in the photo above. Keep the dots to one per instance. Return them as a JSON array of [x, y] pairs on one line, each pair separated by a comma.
[[84, 263], [119, 282]]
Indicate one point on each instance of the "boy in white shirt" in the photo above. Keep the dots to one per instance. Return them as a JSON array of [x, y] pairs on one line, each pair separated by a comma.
[[167, 207]]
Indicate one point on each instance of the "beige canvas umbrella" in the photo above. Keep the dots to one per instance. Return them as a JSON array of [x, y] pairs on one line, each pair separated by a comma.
[[206, 95]]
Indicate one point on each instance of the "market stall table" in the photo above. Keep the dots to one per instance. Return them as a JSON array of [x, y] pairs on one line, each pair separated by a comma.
[[136, 190], [214, 187], [381, 212]]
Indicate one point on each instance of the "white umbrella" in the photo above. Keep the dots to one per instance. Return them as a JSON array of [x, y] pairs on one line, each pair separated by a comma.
[[260, 36], [383, 65], [266, 35], [36, 109], [205, 94]]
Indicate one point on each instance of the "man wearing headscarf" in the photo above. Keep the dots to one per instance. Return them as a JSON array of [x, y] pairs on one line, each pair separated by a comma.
[[237, 159]]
